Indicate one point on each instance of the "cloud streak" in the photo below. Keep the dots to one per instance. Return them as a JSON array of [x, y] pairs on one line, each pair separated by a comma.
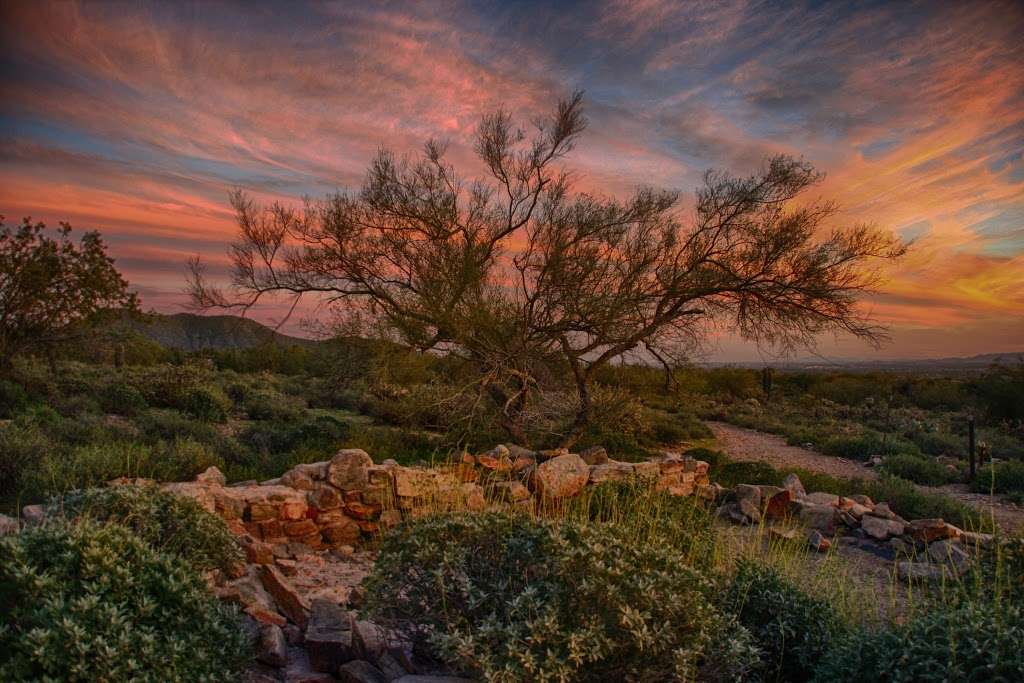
[[138, 121]]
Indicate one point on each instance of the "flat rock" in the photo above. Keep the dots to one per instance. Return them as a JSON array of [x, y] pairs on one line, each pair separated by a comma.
[[329, 639], [793, 483], [820, 517], [349, 469], [819, 498], [748, 492], [288, 600], [880, 528], [272, 648], [360, 671]]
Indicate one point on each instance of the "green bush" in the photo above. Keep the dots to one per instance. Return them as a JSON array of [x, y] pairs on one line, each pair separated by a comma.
[[911, 503], [940, 443], [792, 628], [167, 522], [570, 602], [1002, 477], [973, 640], [208, 404], [122, 398], [274, 406], [13, 399], [920, 470], [94, 603], [863, 446]]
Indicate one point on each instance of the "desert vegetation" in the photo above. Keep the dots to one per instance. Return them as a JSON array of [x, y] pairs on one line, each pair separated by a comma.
[[505, 447]]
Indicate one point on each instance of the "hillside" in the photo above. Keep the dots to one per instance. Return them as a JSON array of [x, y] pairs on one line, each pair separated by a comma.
[[190, 332]]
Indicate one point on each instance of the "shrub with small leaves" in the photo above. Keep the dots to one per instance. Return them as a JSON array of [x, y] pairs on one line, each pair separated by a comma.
[[793, 629], [509, 598], [86, 602], [208, 404], [122, 398], [170, 523], [963, 640]]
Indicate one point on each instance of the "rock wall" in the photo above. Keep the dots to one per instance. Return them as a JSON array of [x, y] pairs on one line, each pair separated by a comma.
[[348, 498]]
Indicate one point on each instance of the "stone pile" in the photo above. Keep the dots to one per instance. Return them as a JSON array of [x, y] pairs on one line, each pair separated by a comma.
[[927, 548], [320, 513]]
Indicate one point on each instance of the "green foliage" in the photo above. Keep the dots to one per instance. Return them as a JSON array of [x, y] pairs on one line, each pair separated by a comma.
[[864, 445], [919, 470], [170, 523], [571, 602], [731, 473], [122, 398], [968, 640], [734, 383], [88, 603], [911, 503], [268, 405], [792, 629], [940, 443], [208, 404], [1000, 390], [13, 399], [54, 289], [1002, 477]]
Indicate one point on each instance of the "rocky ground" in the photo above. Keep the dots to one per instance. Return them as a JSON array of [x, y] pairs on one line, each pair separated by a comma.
[[750, 445]]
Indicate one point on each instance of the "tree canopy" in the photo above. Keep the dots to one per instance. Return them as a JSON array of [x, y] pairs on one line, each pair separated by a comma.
[[52, 288], [533, 283]]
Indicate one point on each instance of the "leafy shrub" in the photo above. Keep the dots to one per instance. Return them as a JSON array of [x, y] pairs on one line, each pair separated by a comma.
[[792, 628], [939, 443], [731, 473], [21, 448], [1002, 477], [674, 429], [863, 446], [909, 502], [89, 603], [167, 522], [208, 404], [122, 398], [970, 640], [89, 465], [919, 470], [571, 602], [13, 399], [271, 405]]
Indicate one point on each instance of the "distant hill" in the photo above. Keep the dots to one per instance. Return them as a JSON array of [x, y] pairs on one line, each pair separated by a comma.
[[190, 332], [955, 364]]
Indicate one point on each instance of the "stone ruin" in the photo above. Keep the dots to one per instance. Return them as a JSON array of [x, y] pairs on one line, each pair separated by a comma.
[[304, 537]]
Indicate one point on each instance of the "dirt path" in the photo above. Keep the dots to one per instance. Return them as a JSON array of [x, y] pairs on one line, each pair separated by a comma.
[[750, 445]]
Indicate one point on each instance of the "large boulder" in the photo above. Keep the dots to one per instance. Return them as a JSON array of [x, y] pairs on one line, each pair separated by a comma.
[[349, 469], [793, 483], [562, 476], [881, 528], [272, 648], [329, 640]]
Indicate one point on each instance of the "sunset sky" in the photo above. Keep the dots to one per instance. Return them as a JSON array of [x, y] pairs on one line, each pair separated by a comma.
[[137, 119]]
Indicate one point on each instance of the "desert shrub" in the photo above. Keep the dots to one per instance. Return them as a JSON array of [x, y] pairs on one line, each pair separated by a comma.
[[1002, 477], [729, 474], [735, 383], [909, 502], [274, 406], [87, 603], [940, 443], [999, 392], [404, 446], [919, 470], [791, 628], [13, 399], [850, 390], [676, 428], [863, 446], [323, 434], [122, 398], [208, 404], [181, 459], [571, 602], [88, 465], [170, 523], [938, 393], [166, 386], [968, 640], [714, 458], [21, 447]]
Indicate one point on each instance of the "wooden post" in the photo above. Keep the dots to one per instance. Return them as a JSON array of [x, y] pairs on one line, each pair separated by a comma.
[[970, 443]]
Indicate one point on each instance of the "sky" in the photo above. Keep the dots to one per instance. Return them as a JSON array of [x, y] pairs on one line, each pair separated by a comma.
[[137, 119]]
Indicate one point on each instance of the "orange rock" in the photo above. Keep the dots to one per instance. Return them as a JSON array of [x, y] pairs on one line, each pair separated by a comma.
[[361, 511], [302, 527]]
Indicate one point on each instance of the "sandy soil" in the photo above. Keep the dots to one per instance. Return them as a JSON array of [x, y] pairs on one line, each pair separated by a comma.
[[750, 445]]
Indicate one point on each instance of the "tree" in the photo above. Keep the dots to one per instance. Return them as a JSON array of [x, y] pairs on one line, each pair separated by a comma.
[[52, 290], [533, 283]]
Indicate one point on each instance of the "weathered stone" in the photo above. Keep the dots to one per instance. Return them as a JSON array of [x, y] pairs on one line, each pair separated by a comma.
[[610, 471], [748, 492], [200, 493], [211, 476], [8, 525], [377, 494], [272, 648], [820, 517], [361, 671], [920, 571], [563, 476], [777, 506], [749, 510], [324, 498], [552, 453], [883, 511], [298, 479], [951, 553], [292, 634], [265, 616], [975, 539], [880, 528], [817, 541], [349, 469], [287, 567], [257, 552], [508, 491], [288, 600], [369, 640], [410, 482], [271, 530], [793, 483], [390, 666], [819, 498], [934, 529], [328, 639], [857, 511], [257, 512], [302, 527], [646, 471], [293, 510], [392, 518], [300, 669], [861, 499], [901, 547], [227, 504], [472, 497], [595, 455]]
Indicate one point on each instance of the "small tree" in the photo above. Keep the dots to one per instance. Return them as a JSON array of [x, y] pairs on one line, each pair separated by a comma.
[[51, 289], [533, 284]]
